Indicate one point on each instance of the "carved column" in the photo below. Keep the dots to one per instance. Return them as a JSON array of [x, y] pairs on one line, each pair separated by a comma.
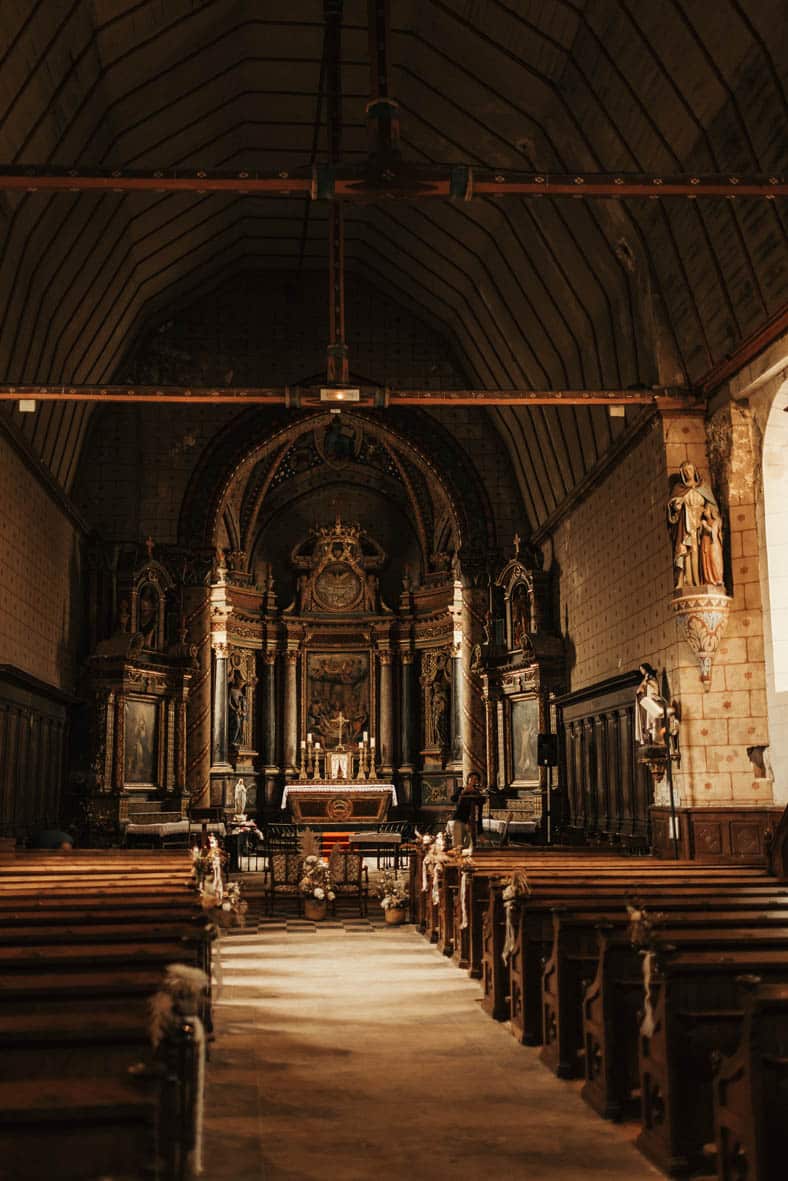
[[269, 723], [180, 746], [407, 719], [474, 605], [385, 715], [219, 759], [406, 712], [501, 729], [457, 706], [197, 620], [490, 735], [119, 748], [291, 711]]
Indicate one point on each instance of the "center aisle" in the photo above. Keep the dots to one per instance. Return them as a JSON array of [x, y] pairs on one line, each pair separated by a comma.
[[349, 1050]]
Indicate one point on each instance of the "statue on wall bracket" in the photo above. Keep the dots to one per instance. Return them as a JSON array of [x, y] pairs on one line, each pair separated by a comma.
[[700, 602]]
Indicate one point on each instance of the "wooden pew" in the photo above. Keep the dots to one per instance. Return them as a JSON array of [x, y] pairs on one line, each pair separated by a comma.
[[501, 980], [568, 878], [698, 1012], [573, 965], [750, 1089], [613, 1002], [534, 939], [82, 946]]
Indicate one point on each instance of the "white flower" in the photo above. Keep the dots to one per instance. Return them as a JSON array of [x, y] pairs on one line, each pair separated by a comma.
[[310, 860], [331, 895], [226, 906], [319, 893]]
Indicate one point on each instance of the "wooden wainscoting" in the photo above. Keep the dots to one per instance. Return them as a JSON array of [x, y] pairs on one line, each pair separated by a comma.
[[34, 725], [606, 793], [735, 834]]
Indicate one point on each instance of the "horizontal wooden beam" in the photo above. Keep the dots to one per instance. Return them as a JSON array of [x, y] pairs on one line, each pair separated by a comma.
[[300, 397], [401, 181]]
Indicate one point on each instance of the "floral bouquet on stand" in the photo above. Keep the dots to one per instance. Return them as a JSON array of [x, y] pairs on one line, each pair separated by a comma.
[[393, 896], [208, 862], [316, 886]]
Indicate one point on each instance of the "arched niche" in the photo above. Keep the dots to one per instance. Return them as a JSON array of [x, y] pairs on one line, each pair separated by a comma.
[[229, 489], [286, 522]]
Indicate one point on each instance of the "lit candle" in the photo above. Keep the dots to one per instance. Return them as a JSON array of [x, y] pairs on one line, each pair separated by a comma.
[[361, 746], [303, 745], [372, 743], [317, 746], [366, 735], [309, 739]]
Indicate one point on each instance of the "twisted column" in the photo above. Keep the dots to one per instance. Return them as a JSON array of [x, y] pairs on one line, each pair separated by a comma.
[[196, 605], [406, 712], [220, 654], [474, 604], [291, 711], [385, 711]]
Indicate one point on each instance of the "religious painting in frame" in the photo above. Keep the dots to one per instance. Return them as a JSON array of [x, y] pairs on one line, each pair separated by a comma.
[[140, 743], [337, 686], [524, 739]]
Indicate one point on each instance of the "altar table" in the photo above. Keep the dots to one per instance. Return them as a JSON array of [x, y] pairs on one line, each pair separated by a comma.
[[336, 803]]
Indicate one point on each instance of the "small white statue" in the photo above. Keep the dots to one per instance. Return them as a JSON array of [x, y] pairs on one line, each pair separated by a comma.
[[240, 797]]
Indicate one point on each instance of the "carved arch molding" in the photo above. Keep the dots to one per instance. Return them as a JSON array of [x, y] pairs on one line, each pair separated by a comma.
[[251, 448]]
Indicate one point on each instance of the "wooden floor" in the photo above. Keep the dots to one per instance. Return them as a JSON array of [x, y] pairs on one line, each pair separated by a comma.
[[349, 1051]]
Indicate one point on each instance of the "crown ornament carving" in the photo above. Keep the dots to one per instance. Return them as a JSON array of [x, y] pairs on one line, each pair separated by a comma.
[[338, 562]]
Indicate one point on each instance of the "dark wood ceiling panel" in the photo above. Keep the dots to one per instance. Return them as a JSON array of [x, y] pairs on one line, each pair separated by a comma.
[[542, 293]]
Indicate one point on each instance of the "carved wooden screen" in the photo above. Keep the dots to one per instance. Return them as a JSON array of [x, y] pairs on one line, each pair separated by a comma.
[[607, 793]]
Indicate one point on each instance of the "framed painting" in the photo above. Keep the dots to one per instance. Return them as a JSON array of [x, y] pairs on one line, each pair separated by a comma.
[[524, 740], [337, 698], [141, 736]]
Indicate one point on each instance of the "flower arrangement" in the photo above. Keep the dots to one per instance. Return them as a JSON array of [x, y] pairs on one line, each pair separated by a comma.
[[392, 892], [207, 863], [316, 880]]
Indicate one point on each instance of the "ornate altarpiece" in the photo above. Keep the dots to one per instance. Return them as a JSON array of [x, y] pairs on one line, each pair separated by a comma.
[[139, 679], [521, 662]]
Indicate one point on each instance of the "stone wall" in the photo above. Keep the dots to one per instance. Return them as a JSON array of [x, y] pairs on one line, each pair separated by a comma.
[[616, 581], [614, 563], [40, 575]]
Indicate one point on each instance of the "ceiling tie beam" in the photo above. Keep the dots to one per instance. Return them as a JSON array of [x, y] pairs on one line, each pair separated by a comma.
[[400, 181], [301, 397]]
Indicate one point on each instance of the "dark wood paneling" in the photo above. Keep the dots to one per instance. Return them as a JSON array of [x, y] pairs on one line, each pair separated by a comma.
[[34, 725], [731, 834], [607, 793]]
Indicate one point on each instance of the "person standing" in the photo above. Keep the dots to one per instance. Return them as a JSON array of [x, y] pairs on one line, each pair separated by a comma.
[[468, 803]]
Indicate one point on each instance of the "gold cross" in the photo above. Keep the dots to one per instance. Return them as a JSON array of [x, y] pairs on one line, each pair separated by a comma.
[[516, 539]]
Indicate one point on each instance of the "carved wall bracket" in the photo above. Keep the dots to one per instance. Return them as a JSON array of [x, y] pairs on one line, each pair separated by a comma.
[[702, 614]]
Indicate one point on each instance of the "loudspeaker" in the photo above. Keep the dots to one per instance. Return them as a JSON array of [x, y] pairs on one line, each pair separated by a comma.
[[547, 750]]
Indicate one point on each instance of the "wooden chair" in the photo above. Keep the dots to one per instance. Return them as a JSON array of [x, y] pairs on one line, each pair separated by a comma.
[[284, 874], [350, 877]]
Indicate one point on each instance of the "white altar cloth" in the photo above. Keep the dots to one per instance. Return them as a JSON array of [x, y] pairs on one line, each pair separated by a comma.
[[337, 788]]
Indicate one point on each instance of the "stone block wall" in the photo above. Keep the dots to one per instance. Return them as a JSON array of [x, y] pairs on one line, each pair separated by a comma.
[[40, 576], [614, 561], [616, 577]]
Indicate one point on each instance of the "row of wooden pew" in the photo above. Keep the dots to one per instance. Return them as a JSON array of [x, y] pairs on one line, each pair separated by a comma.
[[663, 984], [86, 939]]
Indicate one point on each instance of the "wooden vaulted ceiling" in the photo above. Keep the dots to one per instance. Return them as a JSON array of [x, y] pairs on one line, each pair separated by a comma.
[[536, 293]]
